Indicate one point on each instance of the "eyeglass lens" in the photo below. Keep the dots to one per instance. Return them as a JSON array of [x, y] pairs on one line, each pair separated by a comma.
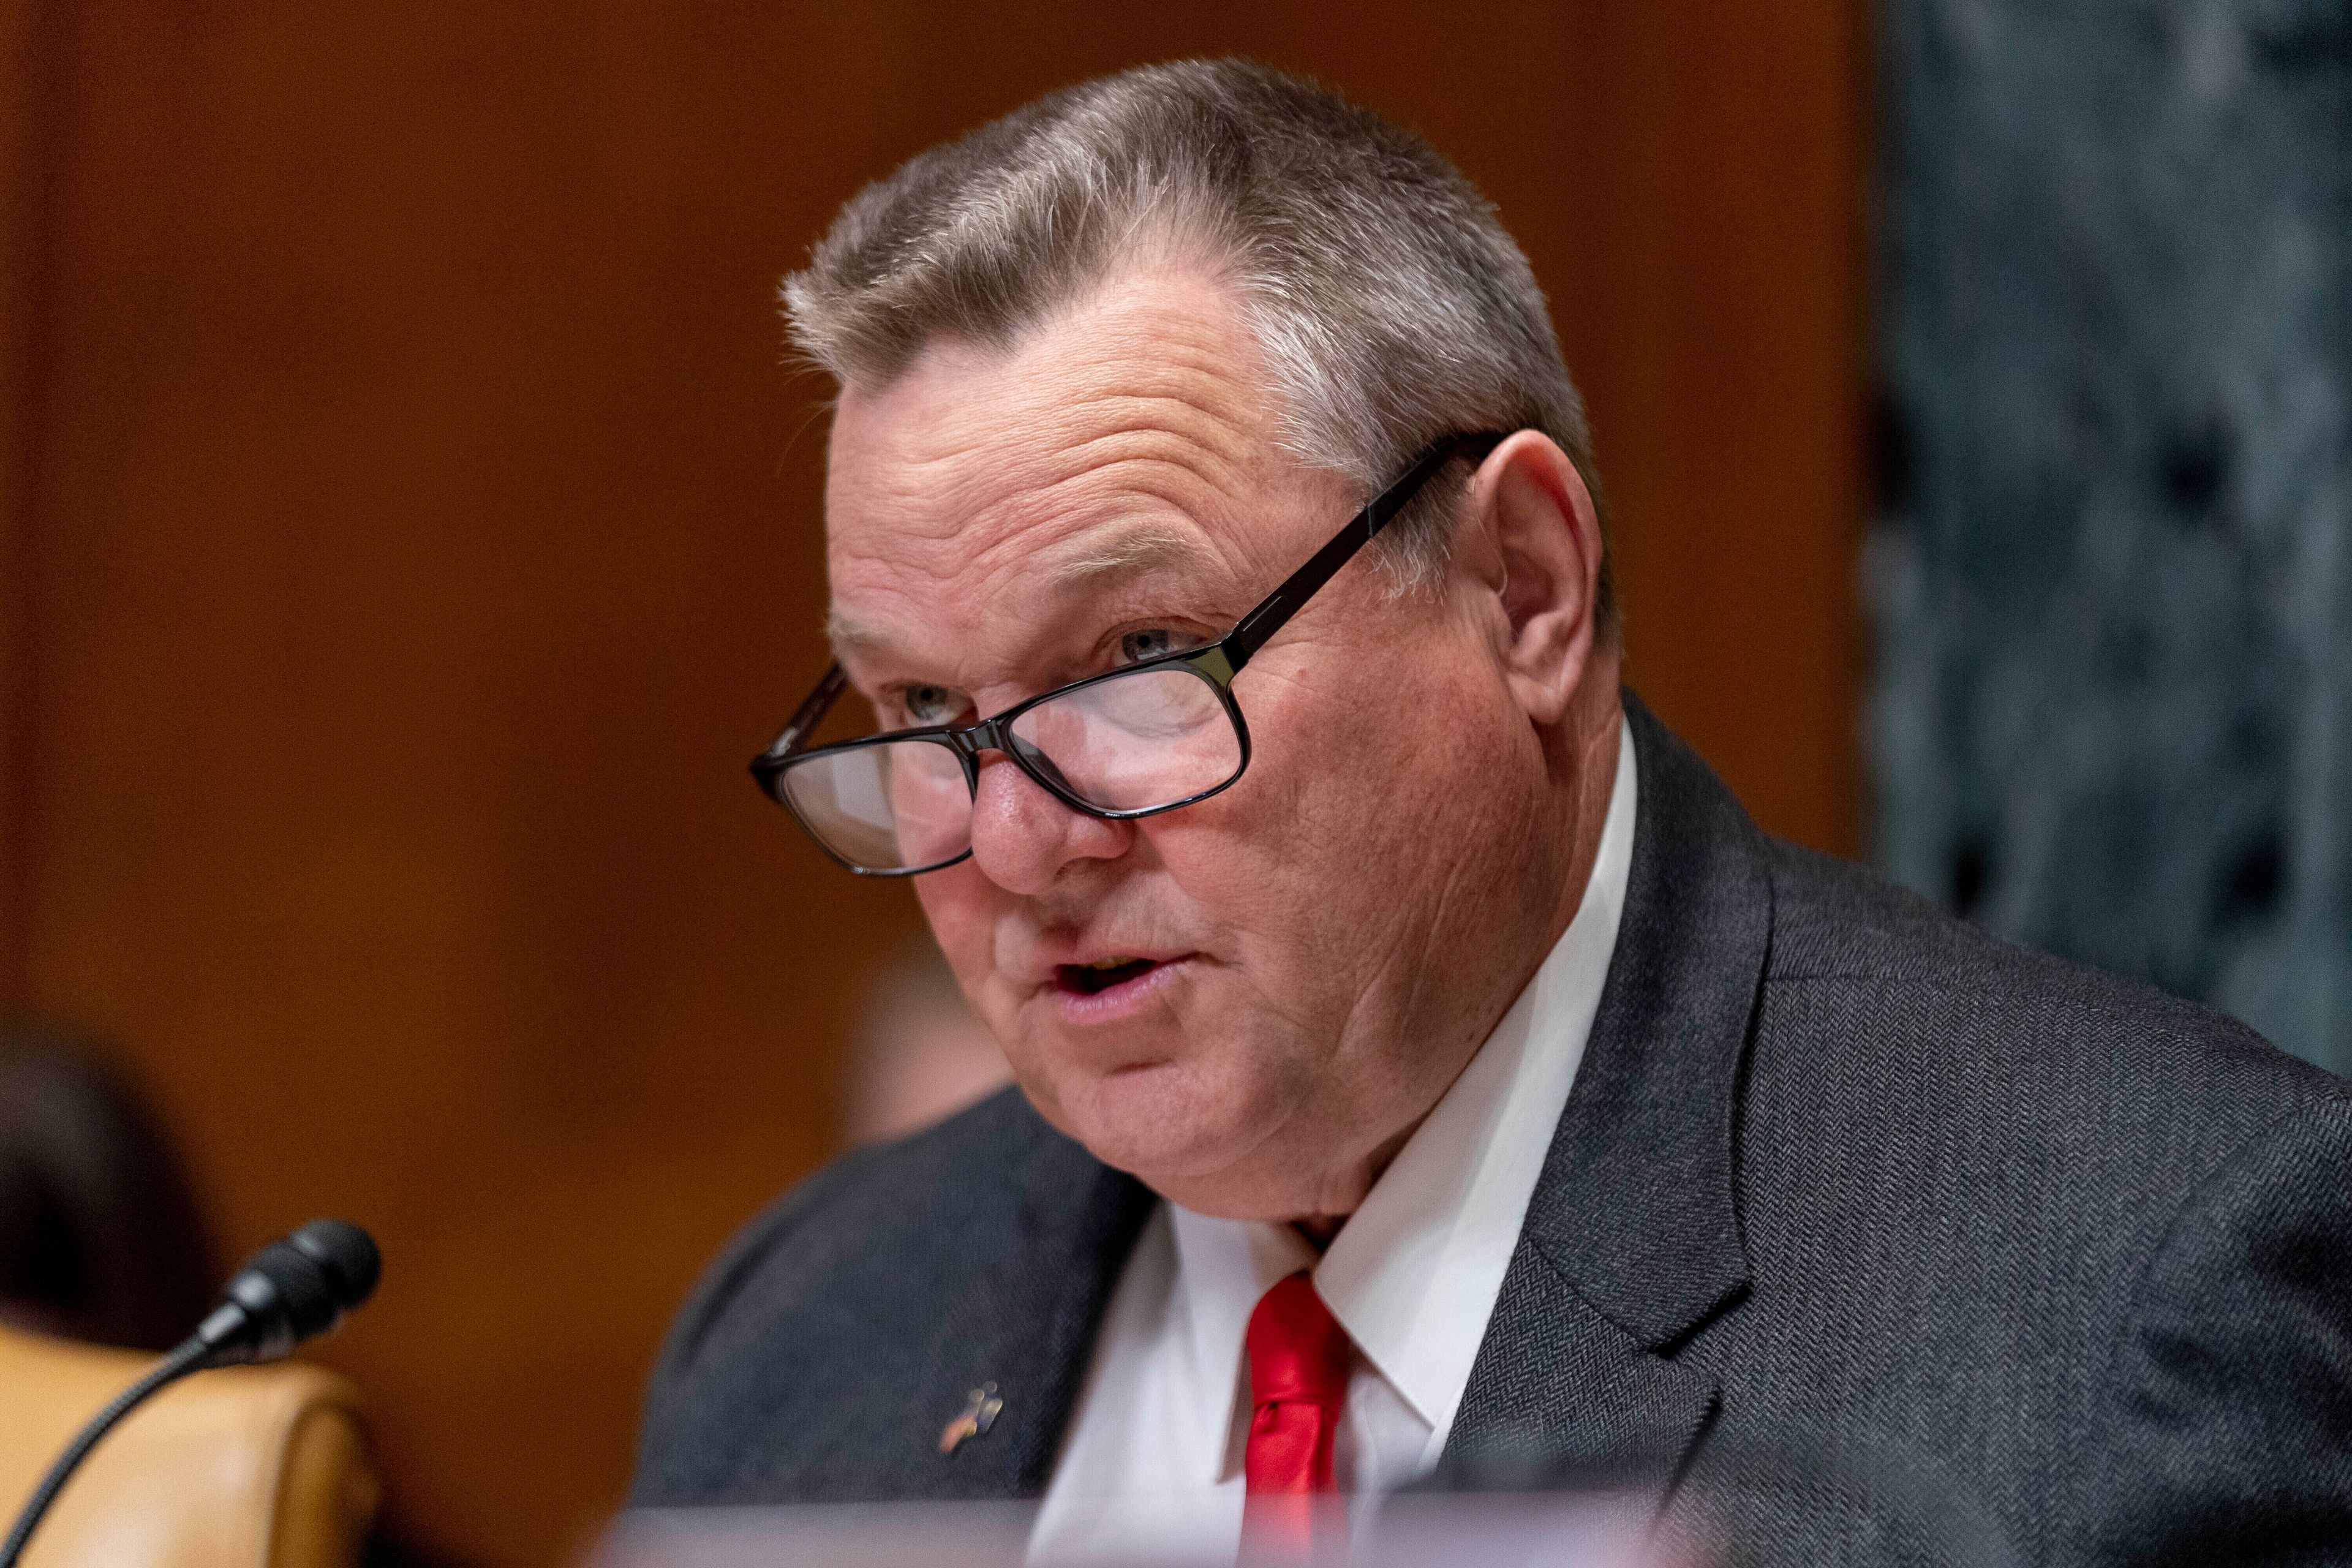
[[1130, 743]]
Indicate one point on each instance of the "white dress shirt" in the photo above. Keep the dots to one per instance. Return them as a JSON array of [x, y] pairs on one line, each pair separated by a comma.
[[1152, 1465]]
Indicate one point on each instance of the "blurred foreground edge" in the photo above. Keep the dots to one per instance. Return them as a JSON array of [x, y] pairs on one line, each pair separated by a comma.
[[1485, 1530], [1738, 1508]]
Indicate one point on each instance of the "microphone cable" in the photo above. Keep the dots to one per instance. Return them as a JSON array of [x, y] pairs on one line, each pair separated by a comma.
[[287, 1293], [188, 1356]]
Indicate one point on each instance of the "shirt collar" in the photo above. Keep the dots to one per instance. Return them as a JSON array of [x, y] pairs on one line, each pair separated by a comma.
[[1414, 1274]]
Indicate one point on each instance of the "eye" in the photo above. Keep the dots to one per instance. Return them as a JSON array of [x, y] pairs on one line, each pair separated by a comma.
[[1134, 648], [929, 704]]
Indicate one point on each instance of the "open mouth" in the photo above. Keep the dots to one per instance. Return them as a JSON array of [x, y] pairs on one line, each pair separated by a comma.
[[1090, 979]]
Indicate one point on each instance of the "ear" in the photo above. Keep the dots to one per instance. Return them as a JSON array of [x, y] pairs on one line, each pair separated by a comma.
[[1535, 554]]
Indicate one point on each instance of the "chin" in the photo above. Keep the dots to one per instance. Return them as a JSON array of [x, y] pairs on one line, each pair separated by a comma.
[[1169, 1123]]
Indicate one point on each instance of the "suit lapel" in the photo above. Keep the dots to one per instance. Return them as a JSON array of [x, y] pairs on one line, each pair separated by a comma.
[[1020, 1333], [1631, 1242], [1560, 1391]]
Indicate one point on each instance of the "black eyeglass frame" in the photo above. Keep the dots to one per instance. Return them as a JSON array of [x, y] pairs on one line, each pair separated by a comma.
[[1216, 663]]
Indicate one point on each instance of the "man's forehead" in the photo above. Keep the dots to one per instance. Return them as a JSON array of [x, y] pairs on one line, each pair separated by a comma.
[[1153, 362], [1111, 444]]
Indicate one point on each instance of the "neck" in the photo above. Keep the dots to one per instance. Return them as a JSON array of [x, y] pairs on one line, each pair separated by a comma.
[[1319, 1230]]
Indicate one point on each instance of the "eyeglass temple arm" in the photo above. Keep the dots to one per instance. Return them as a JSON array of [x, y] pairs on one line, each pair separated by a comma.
[[1275, 610], [809, 713]]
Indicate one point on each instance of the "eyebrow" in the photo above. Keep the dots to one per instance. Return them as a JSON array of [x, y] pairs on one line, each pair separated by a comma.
[[847, 635], [1134, 547], [1116, 552]]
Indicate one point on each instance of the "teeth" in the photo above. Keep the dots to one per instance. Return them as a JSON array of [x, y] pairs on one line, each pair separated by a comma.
[[1112, 963]]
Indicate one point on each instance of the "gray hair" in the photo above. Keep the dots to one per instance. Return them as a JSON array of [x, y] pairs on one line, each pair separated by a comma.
[[1392, 305]]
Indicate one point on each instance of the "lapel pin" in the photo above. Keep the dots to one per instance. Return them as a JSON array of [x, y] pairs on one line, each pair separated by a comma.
[[979, 1415]]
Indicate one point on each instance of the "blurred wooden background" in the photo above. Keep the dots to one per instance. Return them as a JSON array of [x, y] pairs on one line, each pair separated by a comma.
[[410, 529]]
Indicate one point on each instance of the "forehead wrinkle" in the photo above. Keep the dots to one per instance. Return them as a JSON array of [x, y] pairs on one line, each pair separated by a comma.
[[978, 506], [1087, 439], [1157, 382], [1210, 444], [1174, 383], [1006, 522]]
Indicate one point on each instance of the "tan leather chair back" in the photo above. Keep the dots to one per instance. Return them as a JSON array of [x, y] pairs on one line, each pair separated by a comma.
[[242, 1467]]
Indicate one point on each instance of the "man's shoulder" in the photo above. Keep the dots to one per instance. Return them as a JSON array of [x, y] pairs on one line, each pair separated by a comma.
[[886, 1212], [838, 1321], [2069, 1242], [1885, 987]]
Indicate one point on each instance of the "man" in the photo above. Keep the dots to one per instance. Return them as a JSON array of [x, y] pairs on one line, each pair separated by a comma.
[[1423, 1063]]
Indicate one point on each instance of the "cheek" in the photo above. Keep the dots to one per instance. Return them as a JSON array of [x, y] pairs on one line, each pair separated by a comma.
[[960, 907], [1358, 781], [1399, 730]]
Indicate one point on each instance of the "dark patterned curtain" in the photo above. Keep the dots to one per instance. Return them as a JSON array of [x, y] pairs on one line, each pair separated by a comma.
[[2112, 570]]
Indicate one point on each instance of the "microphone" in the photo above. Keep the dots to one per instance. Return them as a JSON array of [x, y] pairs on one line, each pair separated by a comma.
[[290, 1292]]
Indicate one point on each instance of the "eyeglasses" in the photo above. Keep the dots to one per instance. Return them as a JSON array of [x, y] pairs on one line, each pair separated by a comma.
[[1152, 736]]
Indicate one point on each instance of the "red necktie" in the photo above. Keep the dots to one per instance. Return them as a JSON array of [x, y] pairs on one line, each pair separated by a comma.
[[1298, 1357]]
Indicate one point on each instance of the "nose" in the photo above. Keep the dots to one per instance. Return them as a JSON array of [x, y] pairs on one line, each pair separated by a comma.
[[1022, 837]]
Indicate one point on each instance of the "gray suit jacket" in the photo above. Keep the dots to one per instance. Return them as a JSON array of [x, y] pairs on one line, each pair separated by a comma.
[[1888, 1239]]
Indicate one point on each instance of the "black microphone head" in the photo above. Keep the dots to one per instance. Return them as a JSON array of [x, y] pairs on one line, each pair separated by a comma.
[[291, 1290], [346, 1252]]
